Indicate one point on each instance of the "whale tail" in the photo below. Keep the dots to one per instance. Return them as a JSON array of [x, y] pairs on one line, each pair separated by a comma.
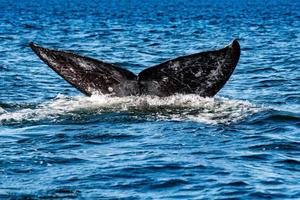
[[202, 73]]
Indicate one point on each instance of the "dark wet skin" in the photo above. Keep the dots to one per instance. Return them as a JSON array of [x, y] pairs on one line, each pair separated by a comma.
[[202, 73]]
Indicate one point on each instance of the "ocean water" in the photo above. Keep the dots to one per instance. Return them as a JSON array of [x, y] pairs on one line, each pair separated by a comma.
[[242, 144]]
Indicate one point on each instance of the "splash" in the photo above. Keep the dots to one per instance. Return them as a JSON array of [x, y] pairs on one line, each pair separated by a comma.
[[176, 107]]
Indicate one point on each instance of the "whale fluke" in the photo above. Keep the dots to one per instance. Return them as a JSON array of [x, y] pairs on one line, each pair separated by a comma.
[[202, 73], [89, 75]]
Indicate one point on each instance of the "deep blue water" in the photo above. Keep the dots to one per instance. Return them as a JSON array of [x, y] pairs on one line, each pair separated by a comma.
[[244, 143]]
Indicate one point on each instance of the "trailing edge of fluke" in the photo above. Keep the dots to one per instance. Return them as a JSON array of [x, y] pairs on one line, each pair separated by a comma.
[[202, 73]]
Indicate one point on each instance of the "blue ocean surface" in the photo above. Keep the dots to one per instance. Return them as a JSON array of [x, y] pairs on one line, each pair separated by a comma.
[[242, 144]]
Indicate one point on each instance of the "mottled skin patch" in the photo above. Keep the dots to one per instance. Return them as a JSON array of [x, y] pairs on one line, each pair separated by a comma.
[[89, 75], [201, 73]]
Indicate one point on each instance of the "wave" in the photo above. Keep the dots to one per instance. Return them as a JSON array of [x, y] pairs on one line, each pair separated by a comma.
[[177, 107]]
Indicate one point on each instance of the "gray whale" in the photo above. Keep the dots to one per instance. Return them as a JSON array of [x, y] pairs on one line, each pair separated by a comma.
[[203, 73]]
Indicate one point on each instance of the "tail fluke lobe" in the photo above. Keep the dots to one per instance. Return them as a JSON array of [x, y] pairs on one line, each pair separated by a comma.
[[87, 74], [202, 73]]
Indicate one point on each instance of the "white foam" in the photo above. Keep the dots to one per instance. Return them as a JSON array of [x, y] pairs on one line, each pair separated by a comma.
[[2, 110], [176, 107]]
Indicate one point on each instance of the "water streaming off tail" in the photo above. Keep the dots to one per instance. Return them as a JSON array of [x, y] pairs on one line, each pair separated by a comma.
[[176, 107]]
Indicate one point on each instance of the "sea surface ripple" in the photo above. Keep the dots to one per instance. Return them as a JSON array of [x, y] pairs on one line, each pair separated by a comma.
[[242, 144]]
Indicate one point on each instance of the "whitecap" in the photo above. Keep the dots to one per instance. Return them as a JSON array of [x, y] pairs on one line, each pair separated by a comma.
[[179, 107]]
